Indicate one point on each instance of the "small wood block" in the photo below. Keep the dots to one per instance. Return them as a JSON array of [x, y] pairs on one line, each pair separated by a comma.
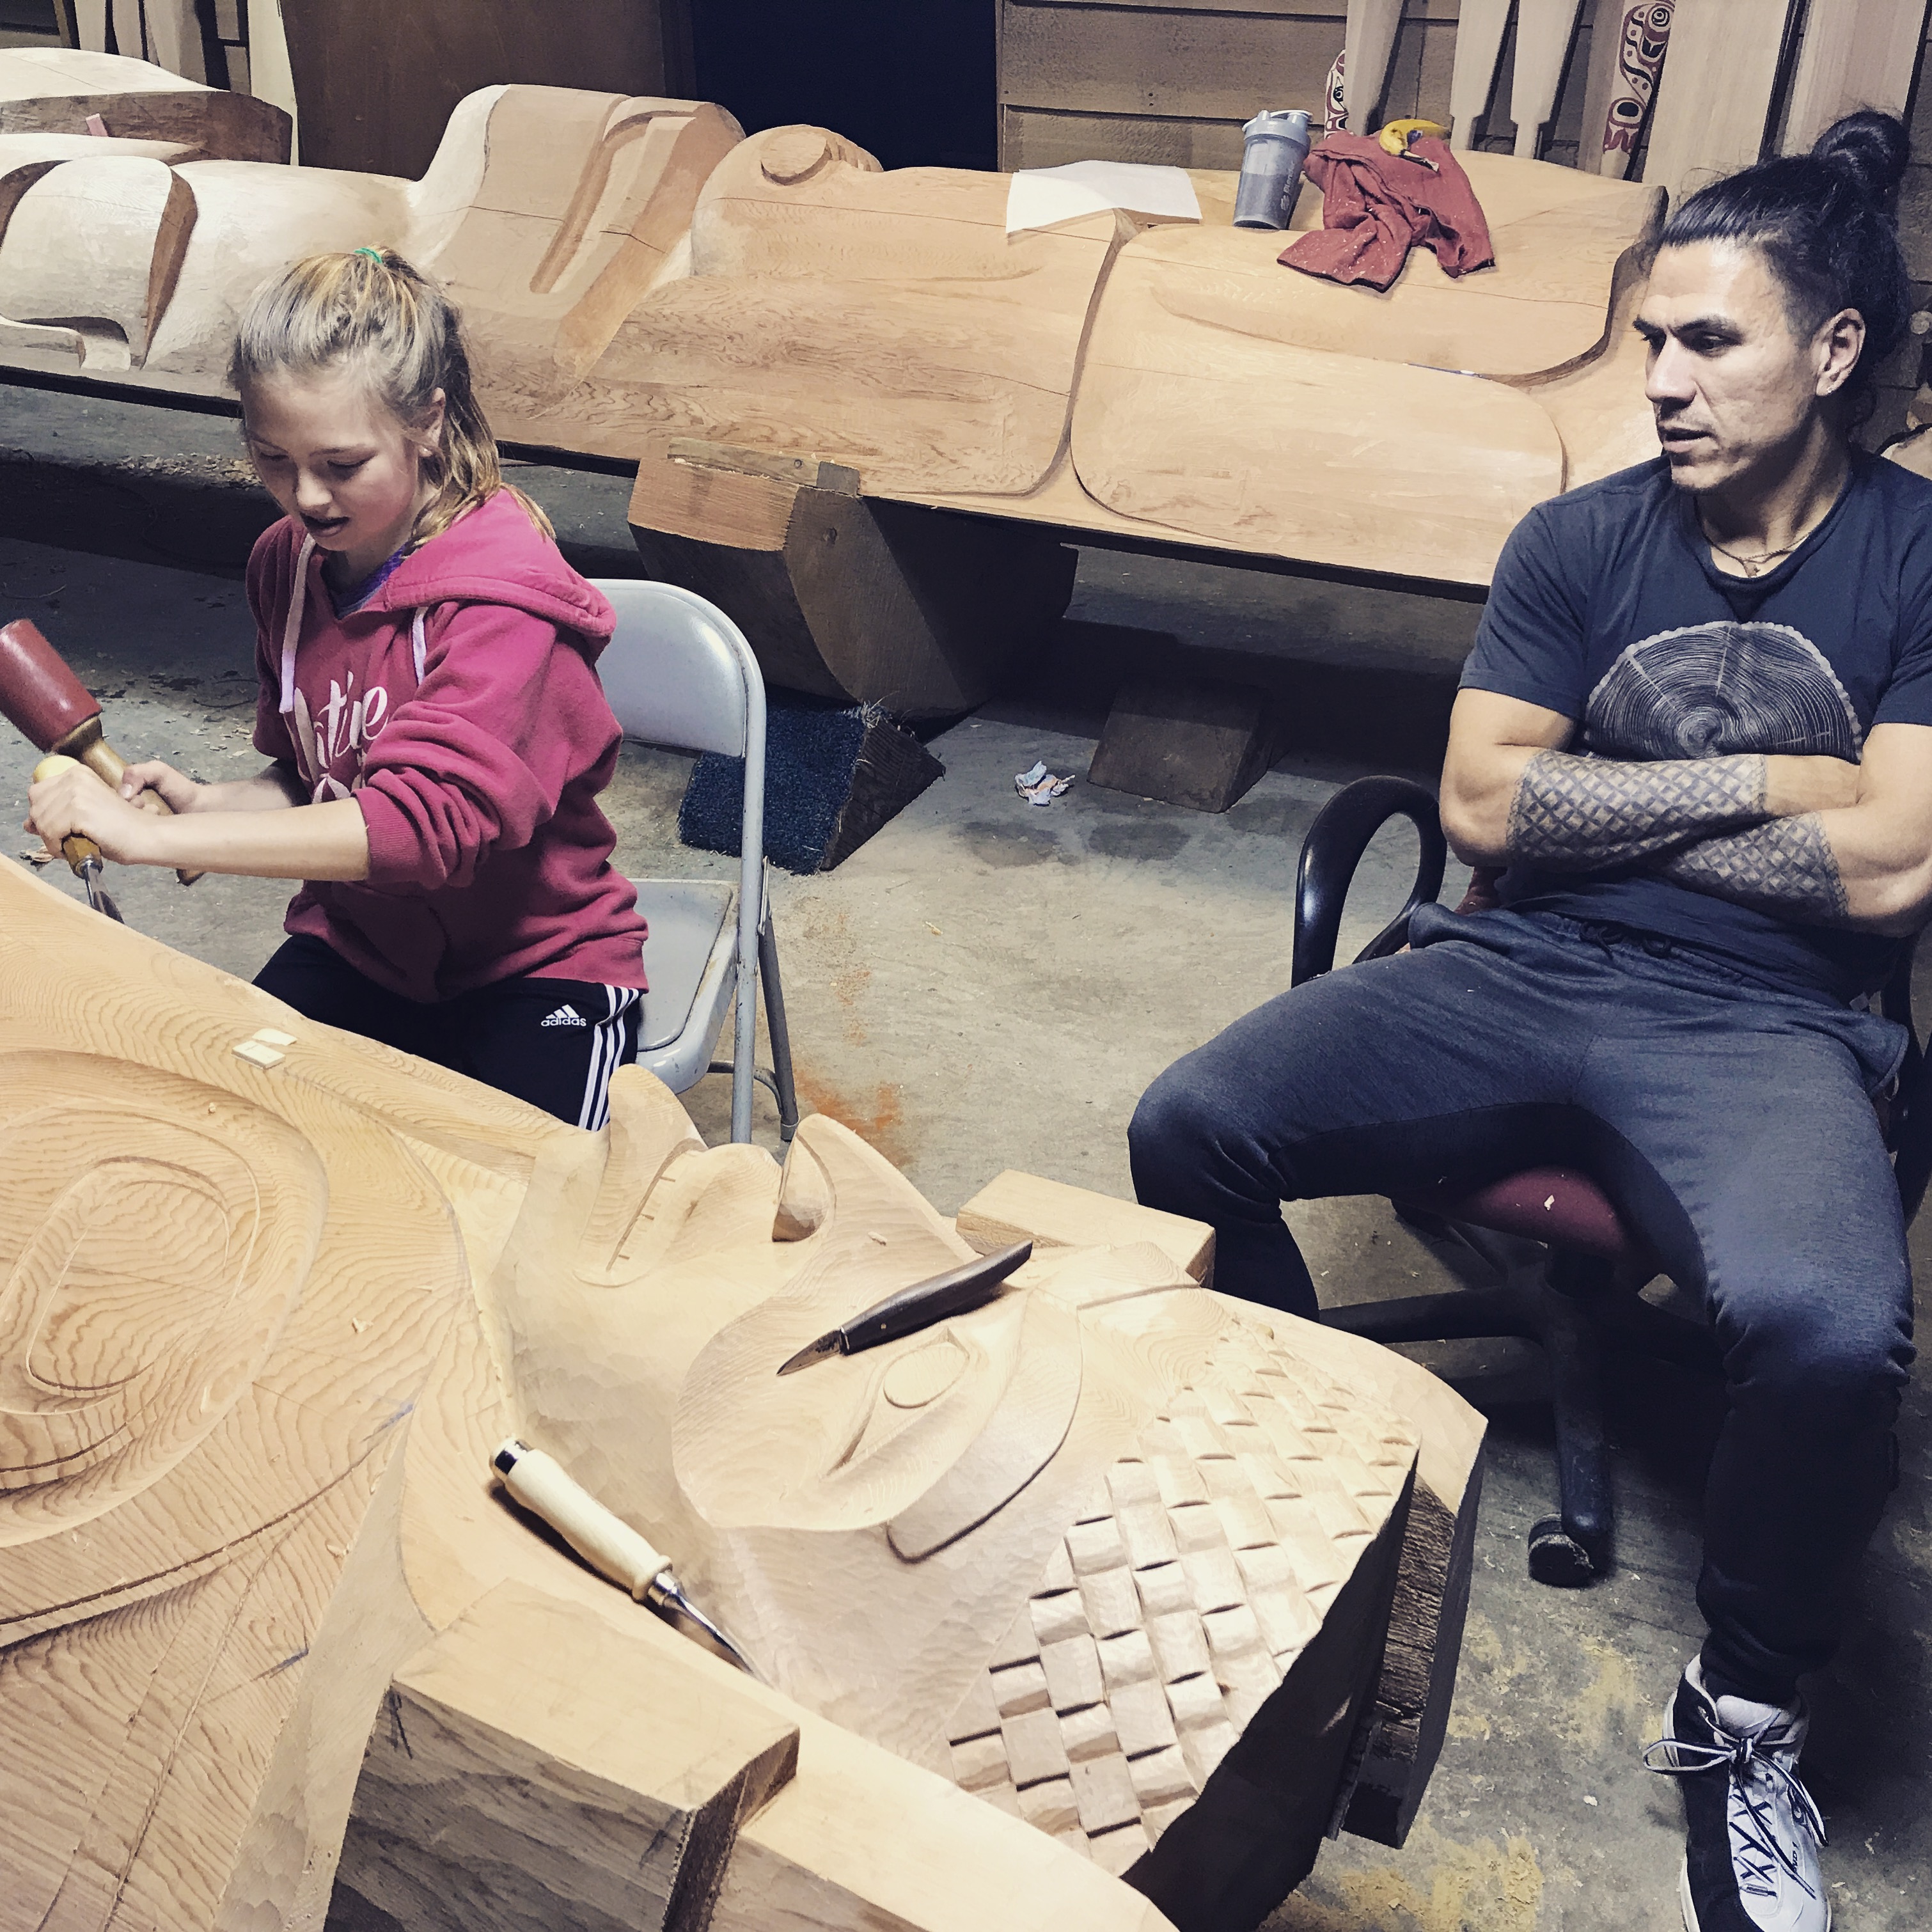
[[1126, 1659], [1163, 1589], [1161, 1777], [813, 472], [1180, 1645], [1089, 1733], [1015, 1207], [494, 1795], [1148, 1535], [1020, 1688], [980, 1762], [1202, 744], [1049, 1806], [1141, 1718], [273, 1037], [1214, 1579], [1114, 1851], [1072, 1673], [1096, 1546], [1103, 1790], [1034, 1748], [1059, 1616], [256, 1054], [1110, 1603]]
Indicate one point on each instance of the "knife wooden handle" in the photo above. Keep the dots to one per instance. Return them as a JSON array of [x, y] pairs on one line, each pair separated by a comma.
[[86, 744], [926, 1302], [601, 1537], [75, 849]]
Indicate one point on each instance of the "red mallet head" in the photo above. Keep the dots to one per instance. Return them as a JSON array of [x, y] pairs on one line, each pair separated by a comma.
[[38, 692]]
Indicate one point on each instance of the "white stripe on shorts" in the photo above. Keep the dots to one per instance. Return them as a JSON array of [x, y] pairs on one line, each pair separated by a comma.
[[607, 1045]]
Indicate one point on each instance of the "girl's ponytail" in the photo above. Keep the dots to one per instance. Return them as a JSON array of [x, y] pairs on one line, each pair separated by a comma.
[[370, 309]]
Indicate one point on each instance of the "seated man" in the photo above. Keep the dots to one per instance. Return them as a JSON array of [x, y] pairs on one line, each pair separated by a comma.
[[1696, 727]]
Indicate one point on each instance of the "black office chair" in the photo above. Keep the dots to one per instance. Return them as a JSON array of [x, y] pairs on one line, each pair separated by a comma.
[[1584, 1301]]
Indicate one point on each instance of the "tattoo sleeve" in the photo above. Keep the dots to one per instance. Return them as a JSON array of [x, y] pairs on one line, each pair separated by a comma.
[[1785, 866], [1572, 813]]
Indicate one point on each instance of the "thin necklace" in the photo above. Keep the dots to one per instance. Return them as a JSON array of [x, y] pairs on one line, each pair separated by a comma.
[[1752, 566]]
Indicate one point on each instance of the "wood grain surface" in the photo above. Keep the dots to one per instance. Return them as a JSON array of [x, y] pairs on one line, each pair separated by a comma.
[[263, 1324], [1858, 53]]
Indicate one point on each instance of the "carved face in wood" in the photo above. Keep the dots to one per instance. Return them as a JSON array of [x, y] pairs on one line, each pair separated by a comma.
[[1066, 1548]]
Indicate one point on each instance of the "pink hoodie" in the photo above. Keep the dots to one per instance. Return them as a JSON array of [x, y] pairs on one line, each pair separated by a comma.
[[458, 706]]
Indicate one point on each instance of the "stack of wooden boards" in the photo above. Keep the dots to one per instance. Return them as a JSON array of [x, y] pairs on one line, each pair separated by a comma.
[[1093, 1580]]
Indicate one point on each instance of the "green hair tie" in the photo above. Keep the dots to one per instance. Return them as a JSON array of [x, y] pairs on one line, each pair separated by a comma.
[[374, 254]]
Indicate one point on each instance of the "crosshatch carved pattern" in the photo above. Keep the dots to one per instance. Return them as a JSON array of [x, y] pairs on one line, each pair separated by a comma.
[[1180, 1600]]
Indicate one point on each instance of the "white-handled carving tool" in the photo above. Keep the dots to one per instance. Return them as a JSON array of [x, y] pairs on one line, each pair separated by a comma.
[[602, 1538]]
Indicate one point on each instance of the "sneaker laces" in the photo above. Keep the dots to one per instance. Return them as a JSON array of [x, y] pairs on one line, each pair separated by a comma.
[[1759, 1840]]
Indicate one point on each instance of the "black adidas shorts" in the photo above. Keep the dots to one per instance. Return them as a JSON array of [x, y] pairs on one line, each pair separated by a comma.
[[554, 1043]]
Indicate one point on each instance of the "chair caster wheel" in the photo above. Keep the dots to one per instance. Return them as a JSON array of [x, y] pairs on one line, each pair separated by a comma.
[[1557, 1558]]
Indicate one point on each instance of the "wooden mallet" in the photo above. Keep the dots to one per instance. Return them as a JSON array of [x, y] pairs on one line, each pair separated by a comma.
[[54, 710]]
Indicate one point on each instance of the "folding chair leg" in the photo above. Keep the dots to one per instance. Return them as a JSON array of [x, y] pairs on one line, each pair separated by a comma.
[[775, 1024]]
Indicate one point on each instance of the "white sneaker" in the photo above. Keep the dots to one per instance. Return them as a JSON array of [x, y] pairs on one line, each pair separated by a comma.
[[1751, 1860]]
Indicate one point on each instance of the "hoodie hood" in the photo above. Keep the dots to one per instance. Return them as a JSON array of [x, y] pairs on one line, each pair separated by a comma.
[[495, 555]]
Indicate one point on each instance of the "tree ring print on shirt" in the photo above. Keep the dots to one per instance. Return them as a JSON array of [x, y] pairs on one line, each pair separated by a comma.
[[1709, 690]]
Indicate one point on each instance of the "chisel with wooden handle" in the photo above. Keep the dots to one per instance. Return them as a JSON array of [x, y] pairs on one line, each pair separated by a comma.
[[601, 1537], [54, 710], [81, 853]]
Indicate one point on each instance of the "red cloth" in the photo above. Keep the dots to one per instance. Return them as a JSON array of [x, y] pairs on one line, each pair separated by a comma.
[[1375, 207], [489, 855]]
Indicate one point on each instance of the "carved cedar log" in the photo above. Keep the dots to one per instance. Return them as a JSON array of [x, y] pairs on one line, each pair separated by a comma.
[[1109, 1553]]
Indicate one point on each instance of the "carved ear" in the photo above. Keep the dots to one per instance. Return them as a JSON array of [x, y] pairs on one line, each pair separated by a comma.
[[804, 1194], [832, 1176], [648, 1130]]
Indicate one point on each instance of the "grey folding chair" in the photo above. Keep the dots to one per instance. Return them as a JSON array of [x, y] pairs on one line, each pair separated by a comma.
[[679, 673]]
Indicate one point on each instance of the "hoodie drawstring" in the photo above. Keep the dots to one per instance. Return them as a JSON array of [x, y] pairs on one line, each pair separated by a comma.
[[292, 631]]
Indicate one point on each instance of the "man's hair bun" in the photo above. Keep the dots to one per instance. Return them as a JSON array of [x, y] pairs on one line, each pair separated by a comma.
[[1826, 222], [1870, 151]]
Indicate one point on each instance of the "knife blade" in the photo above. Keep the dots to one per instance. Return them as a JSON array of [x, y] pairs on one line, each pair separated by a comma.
[[935, 1299]]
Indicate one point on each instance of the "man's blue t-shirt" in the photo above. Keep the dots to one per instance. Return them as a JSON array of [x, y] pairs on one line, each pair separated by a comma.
[[1607, 607]]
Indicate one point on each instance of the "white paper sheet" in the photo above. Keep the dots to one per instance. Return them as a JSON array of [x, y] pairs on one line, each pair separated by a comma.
[[1039, 197]]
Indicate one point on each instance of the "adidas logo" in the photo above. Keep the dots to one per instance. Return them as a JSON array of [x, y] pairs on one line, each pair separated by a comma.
[[566, 1015]]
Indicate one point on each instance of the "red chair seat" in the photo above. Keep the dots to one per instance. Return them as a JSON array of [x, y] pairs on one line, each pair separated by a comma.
[[1556, 1204]]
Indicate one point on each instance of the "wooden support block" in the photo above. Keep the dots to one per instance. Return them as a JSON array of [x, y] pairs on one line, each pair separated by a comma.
[[1200, 744], [1014, 1206], [843, 596], [537, 1769]]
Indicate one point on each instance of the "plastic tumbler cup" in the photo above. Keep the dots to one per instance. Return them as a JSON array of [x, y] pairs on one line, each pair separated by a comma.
[[1274, 144]]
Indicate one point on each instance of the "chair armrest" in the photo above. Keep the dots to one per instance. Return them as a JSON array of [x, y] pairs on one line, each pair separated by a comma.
[[1332, 849]]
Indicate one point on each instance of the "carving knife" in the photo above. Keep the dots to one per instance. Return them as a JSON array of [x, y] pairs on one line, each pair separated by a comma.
[[914, 1308], [601, 1537], [82, 854]]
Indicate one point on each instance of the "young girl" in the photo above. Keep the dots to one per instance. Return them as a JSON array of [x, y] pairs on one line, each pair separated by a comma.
[[438, 734]]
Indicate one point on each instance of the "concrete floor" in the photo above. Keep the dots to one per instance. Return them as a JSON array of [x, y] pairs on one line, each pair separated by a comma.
[[988, 985]]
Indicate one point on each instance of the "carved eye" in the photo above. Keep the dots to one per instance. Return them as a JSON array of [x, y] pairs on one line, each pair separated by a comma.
[[133, 1263], [152, 1245]]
